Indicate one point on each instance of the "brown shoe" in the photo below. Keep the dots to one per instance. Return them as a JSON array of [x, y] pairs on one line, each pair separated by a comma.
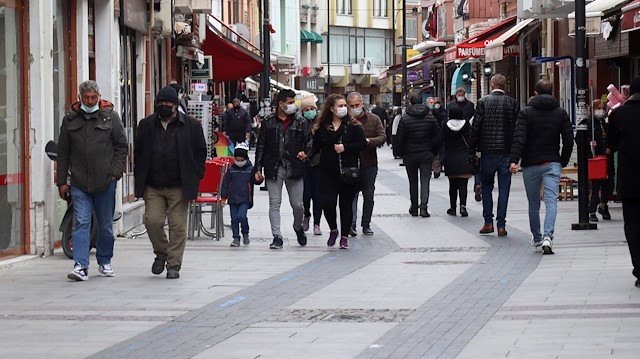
[[502, 232], [487, 228]]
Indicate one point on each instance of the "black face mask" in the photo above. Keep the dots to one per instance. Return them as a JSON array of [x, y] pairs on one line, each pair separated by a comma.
[[164, 111]]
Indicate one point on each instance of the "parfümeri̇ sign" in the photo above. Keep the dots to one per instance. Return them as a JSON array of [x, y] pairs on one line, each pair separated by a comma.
[[477, 49]]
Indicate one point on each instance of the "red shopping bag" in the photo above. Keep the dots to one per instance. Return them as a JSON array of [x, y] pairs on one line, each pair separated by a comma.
[[598, 168]]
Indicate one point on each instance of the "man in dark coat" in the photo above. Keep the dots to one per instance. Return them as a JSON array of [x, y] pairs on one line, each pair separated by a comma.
[[491, 135], [169, 156], [417, 141], [465, 105], [237, 124], [382, 114], [284, 141], [624, 126], [537, 148]]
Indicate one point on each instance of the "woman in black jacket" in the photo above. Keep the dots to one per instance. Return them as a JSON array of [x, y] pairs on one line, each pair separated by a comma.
[[339, 139], [455, 133]]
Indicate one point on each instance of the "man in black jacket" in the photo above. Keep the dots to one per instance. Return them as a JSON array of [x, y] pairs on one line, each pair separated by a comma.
[[536, 146], [169, 156], [465, 105], [622, 137], [284, 141], [237, 124], [417, 141], [491, 135]]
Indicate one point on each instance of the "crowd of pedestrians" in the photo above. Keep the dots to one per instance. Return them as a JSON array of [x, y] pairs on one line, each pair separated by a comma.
[[325, 158]]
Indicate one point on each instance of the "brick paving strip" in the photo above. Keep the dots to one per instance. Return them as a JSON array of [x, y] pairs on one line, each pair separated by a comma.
[[441, 327], [445, 324]]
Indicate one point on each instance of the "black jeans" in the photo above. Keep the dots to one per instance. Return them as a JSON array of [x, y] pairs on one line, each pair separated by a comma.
[[631, 215], [458, 185], [343, 197], [422, 163], [312, 192], [368, 191]]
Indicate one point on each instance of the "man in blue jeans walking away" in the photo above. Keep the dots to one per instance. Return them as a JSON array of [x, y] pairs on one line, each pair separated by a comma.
[[536, 145], [93, 145], [491, 135]]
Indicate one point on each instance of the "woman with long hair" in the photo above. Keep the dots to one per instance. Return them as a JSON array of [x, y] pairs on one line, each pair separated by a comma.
[[339, 139]]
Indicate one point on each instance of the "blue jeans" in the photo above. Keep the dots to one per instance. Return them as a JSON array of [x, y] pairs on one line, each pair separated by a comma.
[[103, 203], [549, 177], [238, 217], [490, 164]]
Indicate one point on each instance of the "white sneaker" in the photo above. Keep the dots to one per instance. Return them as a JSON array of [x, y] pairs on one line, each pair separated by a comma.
[[535, 243], [106, 270], [316, 230], [78, 273], [305, 223], [547, 245]]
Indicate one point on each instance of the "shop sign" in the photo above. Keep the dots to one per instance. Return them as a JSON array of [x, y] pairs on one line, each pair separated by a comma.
[[198, 87], [134, 15], [412, 76], [201, 70], [312, 84], [349, 88]]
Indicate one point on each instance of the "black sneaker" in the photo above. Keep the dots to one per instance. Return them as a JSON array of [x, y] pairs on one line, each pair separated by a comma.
[[353, 232], [277, 243], [413, 212], [603, 209], [593, 217], [451, 211], [173, 273], [463, 211], [302, 238], [158, 266], [235, 243], [424, 213], [637, 283], [367, 231]]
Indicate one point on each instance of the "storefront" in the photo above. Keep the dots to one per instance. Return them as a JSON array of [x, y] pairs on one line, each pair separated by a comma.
[[13, 117]]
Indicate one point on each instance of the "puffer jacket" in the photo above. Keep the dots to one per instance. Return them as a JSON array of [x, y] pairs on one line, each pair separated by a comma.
[[237, 186], [418, 133], [493, 123], [93, 146], [538, 128], [276, 145]]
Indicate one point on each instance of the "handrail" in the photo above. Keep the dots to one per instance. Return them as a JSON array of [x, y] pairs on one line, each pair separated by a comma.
[[228, 28]]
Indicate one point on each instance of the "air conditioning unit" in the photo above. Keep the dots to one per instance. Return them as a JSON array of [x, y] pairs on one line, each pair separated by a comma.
[[363, 67], [304, 18], [163, 19], [314, 19], [183, 6]]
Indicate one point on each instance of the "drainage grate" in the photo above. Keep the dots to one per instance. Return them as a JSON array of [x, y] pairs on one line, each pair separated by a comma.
[[394, 215], [342, 315], [442, 249]]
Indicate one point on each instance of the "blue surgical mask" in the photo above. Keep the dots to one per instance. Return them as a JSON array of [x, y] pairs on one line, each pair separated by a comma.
[[90, 109], [431, 107], [310, 115]]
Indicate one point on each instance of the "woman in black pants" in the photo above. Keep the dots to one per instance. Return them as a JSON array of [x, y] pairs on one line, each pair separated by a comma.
[[339, 139], [455, 133]]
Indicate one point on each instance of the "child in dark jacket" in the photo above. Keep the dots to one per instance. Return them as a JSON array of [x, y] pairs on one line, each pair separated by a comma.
[[237, 189]]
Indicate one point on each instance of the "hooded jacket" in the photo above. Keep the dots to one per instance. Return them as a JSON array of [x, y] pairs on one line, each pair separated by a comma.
[[418, 133], [538, 129], [493, 123], [92, 146], [237, 185], [455, 133]]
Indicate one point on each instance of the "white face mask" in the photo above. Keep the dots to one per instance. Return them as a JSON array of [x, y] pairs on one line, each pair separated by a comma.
[[356, 111], [240, 163], [437, 106], [461, 98], [599, 113], [291, 109], [341, 111]]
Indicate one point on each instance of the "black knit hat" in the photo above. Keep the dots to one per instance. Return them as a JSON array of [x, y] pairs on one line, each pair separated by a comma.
[[168, 94], [635, 86], [455, 113]]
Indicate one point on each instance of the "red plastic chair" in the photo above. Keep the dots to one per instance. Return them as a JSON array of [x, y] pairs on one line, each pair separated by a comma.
[[209, 195]]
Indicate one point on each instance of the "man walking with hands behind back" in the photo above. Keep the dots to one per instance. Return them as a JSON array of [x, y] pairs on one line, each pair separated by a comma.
[[283, 144], [492, 134], [169, 163], [93, 145], [536, 144]]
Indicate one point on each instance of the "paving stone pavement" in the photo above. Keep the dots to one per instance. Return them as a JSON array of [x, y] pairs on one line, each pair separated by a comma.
[[418, 288]]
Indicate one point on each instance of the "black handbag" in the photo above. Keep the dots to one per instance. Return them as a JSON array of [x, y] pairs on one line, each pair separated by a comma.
[[473, 160], [349, 175]]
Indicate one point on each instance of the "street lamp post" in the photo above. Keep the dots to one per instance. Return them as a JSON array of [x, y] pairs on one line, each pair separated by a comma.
[[404, 55], [581, 121], [265, 85]]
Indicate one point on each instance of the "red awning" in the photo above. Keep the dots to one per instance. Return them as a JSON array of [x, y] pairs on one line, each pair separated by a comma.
[[228, 61], [631, 16], [474, 47]]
